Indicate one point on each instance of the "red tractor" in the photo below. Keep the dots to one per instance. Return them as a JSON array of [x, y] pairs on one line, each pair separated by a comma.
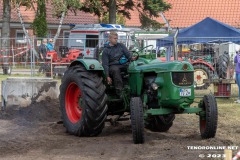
[[203, 68], [56, 64]]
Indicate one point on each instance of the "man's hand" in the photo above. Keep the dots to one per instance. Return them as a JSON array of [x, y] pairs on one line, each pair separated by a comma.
[[109, 80], [134, 58]]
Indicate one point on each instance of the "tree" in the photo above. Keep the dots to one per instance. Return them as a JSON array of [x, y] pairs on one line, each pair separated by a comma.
[[40, 23], [6, 24], [120, 19], [147, 9], [60, 10], [5, 43]]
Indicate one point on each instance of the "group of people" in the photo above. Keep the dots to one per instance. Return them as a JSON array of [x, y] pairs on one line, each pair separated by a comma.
[[45, 47]]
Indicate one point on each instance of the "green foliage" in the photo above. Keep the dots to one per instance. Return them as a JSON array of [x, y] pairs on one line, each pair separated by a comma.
[[94, 6], [153, 7], [61, 6], [147, 9], [120, 19], [40, 23], [150, 9], [148, 23]]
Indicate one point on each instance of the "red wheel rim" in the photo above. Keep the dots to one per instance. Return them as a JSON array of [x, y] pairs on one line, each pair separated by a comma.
[[202, 125], [73, 102]]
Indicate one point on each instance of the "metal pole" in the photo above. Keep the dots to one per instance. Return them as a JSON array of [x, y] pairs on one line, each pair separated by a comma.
[[13, 57], [51, 68], [175, 50], [31, 53]]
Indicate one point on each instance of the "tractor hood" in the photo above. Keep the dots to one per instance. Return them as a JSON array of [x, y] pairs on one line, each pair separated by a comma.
[[143, 65]]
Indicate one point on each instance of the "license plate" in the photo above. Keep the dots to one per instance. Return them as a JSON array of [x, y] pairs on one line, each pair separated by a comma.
[[185, 92]]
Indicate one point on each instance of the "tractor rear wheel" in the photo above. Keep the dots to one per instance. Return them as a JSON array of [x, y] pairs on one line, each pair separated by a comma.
[[137, 122], [223, 65], [83, 102], [209, 117], [201, 72], [160, 123]]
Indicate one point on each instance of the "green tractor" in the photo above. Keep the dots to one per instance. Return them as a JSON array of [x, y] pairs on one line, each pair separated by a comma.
[[153, 93]]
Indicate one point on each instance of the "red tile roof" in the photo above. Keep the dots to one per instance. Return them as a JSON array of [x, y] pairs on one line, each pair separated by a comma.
[[185, 13], [71, 18], [29, 15]]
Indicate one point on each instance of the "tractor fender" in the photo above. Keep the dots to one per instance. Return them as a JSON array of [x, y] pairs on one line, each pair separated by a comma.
[[203, 63], [89, 64]]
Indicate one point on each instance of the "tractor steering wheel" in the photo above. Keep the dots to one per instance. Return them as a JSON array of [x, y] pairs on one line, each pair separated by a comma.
[[145, 47]]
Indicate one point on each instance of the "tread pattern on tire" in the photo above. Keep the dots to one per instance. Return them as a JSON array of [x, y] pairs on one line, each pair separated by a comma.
[[222, 65], [137, 121], [93, 101], [210, 106]]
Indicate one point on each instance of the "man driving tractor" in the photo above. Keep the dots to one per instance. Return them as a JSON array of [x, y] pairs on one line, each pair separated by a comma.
[[115, 58]]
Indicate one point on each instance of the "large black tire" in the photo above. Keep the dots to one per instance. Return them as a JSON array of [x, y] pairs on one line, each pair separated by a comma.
[[137, 121], [201, 72], [160, 123], [222, 65], [208, 120], [83, 102]]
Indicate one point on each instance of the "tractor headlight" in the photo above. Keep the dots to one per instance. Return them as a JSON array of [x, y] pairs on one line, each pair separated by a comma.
[[92, 66], [185, 67], [154, 86]]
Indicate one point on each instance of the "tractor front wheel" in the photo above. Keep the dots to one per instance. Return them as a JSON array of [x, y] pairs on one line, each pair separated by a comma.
[[83, 102], [137, 122], [209, 117]]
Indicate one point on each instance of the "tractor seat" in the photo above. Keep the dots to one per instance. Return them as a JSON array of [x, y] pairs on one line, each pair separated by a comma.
[[63, 50]]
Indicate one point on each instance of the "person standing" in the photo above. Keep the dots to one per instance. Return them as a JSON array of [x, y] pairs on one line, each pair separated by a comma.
[[50, 45], [43, 49], [237, 70]]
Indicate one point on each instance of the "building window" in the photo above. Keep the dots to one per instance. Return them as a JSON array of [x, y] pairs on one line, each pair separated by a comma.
[[20, 37], [65, 37], [91, 41]]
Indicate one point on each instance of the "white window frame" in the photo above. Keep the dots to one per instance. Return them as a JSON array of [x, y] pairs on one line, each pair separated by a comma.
[[65, 39], [21, 39]]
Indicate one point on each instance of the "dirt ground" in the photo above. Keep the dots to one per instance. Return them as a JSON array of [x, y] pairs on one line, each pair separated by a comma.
[[34, 132]]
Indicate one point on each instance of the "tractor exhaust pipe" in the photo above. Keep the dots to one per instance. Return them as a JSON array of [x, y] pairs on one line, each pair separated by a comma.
[[175, 50]]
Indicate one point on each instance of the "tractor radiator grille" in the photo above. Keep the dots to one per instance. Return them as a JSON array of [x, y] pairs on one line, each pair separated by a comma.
[[182, 78]]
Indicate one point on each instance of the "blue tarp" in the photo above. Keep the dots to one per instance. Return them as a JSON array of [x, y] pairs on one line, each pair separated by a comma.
[[206, 31]]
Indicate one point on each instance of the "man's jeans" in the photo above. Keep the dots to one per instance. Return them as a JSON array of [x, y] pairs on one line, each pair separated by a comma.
[[115, 71]]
